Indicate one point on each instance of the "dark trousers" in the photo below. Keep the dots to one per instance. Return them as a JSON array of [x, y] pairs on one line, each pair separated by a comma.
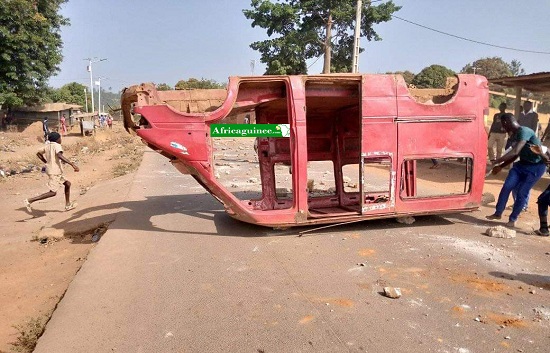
[[521, 177]]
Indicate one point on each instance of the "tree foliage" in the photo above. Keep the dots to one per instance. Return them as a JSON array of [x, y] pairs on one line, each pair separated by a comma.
[[515, 67], [489, 67], [303, 29], [496, 67], [193, 83], [163, 87], [72, 93], [30, 48], [407, 75], [433, 76]]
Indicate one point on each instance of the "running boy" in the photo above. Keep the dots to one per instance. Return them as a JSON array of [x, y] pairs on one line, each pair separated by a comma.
[[52, 155]]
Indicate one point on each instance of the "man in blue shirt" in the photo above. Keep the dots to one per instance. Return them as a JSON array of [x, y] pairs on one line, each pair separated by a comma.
[[524, 174]]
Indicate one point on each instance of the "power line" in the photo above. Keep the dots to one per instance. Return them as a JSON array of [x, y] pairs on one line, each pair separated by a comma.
[[471, 40], [313, 63]]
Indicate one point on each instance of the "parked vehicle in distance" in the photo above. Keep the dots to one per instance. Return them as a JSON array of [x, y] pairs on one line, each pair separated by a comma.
[[372, 138]]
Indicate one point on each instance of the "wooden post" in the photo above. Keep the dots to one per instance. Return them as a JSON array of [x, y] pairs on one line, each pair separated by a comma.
[[517, 102]]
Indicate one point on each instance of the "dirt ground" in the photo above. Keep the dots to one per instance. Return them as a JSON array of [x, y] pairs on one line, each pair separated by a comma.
[[41, 253]]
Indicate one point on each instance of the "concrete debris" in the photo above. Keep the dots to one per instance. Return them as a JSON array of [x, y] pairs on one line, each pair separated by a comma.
[[500, 232], [405, 220], [487, 198], [50, 234], [346, 179], [392, 292]]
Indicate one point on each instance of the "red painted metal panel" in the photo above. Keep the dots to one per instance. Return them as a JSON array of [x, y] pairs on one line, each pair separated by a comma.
[[342, 118]]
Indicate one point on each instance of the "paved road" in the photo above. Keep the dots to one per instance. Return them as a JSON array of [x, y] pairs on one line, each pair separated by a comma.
[[175, 274]]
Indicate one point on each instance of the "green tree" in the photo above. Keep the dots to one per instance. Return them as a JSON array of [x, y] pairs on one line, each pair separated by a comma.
[[30, 48], [434, 76], [489, 67], [72, 93], [515, 67], [407, 75], [163, 87], [193, 83], [310, 28]]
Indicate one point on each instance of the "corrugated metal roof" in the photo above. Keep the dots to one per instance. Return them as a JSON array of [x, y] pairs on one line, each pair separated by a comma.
[[48, 107], [537, 82]]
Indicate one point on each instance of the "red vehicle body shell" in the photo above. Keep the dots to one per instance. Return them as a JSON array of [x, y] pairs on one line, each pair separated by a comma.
[[346, 119]]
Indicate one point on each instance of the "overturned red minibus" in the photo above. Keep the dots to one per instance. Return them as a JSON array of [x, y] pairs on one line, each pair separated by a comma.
[[359, 146]]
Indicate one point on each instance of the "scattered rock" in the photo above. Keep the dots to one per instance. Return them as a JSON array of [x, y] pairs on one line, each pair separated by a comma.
[[405, 220], [253, 180], [487, 198], [47, 235], [500, 232], [392, 292], [347, 179]]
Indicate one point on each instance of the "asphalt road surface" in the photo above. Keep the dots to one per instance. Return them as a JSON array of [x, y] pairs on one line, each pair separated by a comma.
[[174, 273]]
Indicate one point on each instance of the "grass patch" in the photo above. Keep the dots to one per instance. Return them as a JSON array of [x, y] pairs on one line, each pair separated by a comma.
[[125, 168], [28, 334]]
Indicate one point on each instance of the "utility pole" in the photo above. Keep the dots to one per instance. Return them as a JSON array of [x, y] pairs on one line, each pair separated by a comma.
[[90, 62], [356, 38], [252, 66], [98, 83], [86, 97]]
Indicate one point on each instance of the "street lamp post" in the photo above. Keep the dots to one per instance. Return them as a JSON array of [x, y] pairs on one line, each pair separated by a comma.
[[90, 62], [356, 37], [98, 83], [86, 97]]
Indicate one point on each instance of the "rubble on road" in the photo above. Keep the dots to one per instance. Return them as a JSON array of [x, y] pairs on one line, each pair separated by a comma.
[[405, 220], [500, 232], [392, 292], [487, 198]]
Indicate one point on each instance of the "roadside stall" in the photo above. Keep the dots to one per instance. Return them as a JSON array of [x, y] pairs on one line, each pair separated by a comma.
[[86, 122]]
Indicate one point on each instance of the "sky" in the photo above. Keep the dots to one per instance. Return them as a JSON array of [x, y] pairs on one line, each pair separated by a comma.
[[165, 41]]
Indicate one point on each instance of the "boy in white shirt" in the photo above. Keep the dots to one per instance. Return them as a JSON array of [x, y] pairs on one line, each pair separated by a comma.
[[52, 155]]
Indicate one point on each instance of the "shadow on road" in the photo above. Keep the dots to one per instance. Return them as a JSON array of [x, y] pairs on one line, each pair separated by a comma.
[[167, 214], [538, 281]]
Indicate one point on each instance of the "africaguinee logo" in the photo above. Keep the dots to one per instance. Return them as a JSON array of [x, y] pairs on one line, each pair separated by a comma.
[[250, 130]]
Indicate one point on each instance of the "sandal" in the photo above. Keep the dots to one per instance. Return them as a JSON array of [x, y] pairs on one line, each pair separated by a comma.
[[70, 206], [27, 205]]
